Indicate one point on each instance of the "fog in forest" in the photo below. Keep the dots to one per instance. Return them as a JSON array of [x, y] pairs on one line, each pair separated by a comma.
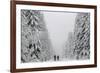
[[59, 24]]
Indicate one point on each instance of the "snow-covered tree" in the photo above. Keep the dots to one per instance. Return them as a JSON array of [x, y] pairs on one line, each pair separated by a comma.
[[82, 36], [69, 47], [35, 43], [78, 43]]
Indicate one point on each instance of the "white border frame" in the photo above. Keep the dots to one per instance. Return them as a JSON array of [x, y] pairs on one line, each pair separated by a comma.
[[49, 64]]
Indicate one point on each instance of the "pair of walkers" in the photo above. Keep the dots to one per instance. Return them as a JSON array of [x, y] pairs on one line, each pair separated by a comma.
[[56, 58]]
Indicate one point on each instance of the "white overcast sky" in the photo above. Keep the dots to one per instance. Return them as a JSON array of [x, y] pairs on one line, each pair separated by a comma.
[[59, 24]]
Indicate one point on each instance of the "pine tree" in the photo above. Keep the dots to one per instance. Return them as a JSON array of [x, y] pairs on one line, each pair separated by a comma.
[[82, 36], [35, 43], [78, 43], [69, 47]]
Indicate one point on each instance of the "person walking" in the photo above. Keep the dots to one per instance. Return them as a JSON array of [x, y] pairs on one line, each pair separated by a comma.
[[54, 57], [58, 58]]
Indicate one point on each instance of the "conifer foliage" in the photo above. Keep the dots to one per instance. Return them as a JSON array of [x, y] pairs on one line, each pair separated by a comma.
[[35, 43], [78, 43]]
